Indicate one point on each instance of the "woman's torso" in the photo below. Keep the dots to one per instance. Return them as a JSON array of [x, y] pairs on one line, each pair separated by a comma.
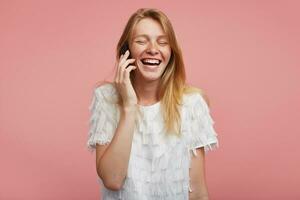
[[159, 163]]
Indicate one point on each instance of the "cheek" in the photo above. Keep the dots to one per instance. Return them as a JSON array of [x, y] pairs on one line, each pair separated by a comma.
[[136, 49], [167, 54]]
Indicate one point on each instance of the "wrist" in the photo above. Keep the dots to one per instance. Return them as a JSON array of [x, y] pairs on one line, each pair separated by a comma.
[[130, 109]]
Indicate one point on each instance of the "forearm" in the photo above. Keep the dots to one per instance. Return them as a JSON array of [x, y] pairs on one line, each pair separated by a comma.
[[199, 192], [198, 196], [114, 162]]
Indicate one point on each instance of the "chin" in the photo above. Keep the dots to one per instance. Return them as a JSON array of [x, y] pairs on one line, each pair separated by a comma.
[[149, 76]]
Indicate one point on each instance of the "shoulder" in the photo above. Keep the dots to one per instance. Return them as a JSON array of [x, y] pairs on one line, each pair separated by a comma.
[[106, 91], [104, 88], [192, 95], [106, 100]]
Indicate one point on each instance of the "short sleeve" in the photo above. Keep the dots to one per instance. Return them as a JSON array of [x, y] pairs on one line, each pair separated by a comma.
[[102, 122], [202, 132]]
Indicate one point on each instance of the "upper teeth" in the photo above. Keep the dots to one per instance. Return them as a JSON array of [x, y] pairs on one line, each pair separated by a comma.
[[151, 61]]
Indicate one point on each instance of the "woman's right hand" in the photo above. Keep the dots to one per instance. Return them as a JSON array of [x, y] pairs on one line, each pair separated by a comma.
[[123, 82]]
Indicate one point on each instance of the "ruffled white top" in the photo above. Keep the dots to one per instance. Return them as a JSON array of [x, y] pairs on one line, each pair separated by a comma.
[[159, 163]]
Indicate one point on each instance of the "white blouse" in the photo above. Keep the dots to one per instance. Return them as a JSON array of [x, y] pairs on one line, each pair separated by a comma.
[[159, 164]]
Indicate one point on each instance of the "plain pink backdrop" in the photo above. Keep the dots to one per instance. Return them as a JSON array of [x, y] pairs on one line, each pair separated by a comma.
[[244, 54]]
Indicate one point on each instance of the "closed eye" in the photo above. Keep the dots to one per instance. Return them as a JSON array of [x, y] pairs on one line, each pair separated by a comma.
[[163, 43], [140, 42]]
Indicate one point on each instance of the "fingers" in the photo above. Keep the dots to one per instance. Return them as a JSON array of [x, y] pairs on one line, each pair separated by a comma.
[[116, 70], [124, 57], [118, 64], [123, 67], [127, 72]]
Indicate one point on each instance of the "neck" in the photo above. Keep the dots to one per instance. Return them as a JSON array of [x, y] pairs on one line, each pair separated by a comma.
[[146, 91]]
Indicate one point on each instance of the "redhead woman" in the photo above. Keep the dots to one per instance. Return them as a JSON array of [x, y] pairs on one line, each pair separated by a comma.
[[150, 130]]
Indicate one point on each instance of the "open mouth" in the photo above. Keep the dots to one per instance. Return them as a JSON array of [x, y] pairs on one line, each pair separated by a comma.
[[151, 62]]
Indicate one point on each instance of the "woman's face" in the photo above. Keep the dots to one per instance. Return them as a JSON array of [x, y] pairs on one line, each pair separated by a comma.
[[150, 47]]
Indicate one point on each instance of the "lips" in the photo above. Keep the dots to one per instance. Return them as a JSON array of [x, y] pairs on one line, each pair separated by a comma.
[[151, 61], [150, 67]]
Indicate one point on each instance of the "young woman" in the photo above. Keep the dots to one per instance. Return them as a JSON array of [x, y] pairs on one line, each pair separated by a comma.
[[149, 128]]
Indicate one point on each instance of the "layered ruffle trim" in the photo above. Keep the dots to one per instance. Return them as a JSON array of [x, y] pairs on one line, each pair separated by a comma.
[[158, 166], [199, 130], [104, 117], [169, 178], [159, 163], [164, 177], [196, 127]]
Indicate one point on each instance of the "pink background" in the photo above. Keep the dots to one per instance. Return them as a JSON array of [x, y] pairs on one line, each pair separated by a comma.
[[244, 54]]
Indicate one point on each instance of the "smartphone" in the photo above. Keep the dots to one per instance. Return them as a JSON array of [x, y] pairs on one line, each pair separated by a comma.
[[124, 48]]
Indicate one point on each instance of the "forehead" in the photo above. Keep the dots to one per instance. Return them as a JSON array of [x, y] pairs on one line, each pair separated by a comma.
[[148, 27]]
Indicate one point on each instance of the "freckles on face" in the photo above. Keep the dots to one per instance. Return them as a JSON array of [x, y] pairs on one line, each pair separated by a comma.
[[149, 40]]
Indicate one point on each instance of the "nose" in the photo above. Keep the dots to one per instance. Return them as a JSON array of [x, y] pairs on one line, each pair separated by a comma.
[[152, 49]]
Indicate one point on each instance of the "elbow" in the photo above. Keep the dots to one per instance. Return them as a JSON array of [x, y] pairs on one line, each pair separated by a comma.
[[113, 185], [110, 180]]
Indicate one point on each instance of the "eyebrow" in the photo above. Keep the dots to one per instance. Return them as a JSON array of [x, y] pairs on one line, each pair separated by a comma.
[[145, 35]]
